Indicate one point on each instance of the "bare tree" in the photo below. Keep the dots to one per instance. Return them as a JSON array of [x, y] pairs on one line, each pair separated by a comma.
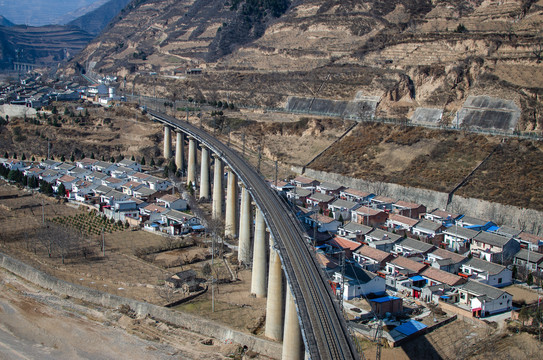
[[537, 50]]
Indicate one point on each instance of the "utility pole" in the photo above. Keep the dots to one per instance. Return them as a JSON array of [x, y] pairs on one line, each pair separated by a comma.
[[103, 243], [243, 142], [212, 280], [276, 171], [42, 212], [259, 157]]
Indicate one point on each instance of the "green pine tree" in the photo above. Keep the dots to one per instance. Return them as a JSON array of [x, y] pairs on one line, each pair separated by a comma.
[[142, 161]]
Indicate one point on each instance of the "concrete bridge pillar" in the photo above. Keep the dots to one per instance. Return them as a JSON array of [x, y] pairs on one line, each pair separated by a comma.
[[218, 194], [231, 218], [292, 336], [245, 221], [191, 168], [167, 143], [180, 150], [204, 174], [274, 305], [258, 281]]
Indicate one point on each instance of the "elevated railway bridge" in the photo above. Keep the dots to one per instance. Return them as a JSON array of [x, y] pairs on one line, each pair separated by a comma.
[[312, 317]]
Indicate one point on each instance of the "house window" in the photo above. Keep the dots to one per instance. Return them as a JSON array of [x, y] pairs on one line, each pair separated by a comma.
[[499, 280]]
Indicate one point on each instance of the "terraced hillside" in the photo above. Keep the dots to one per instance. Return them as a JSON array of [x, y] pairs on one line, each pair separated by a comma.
[[40, 45], [410, 53]]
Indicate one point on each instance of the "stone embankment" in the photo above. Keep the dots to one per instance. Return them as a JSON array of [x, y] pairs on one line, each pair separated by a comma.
[[508, 215]]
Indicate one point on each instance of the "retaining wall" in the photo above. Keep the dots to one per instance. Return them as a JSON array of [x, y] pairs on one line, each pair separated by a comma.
[[187, 321], [499, 213]]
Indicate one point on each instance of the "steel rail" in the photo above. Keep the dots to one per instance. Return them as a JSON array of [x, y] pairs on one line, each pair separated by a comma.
[[323, 328]]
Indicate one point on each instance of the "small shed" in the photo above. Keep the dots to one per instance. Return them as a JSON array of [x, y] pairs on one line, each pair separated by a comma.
[[386, 304]]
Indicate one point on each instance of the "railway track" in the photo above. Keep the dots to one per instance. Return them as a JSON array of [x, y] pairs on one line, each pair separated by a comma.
[[324, 330]]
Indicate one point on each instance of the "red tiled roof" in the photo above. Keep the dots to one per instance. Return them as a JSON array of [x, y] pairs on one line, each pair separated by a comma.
[[67, 178], [341, 242], [407, 204], [327, 261], [443, 276], [443, 214], [169, 198], [364, 210], [408, 264], [356, 192], [113, 180], [131, 184], [154, 207], [303, 180], [323, 219], [446, 254], [384, 199], [403, 219], [373, 253]]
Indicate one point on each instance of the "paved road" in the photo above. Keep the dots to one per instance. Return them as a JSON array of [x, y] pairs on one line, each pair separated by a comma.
[[323, 327]]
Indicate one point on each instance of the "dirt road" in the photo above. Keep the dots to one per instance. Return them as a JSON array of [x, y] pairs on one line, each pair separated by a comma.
[[35, 324]]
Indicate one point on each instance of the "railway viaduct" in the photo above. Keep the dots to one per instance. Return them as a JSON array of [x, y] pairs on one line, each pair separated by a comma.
[[306, 316]]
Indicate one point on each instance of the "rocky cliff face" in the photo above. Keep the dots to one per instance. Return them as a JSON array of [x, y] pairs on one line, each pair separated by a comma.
[[409, 53]]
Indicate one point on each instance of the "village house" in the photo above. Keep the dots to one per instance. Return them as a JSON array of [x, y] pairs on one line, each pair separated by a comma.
[[340, 244], [486, 272], [354, 231], [458, 238], [83, 190], [186, 280], [86, 163], [121, 172], [111, 197], [323, 223], [441, 216], [382, 240], [371, 259], [156, 183], [435, 277], [103, 167], [172, 202], [65, 180], [494, 248], [49, 164], [358, 282], [436, 293], [533, 242], [134, 165], [428, 229], [446, 260], [484, 300], [79, 173], [65, 167], [33, 172], [151, 216], [386, 305], [304, 182], [121, 210], [354, 195], [341, 209], [402, 266], [282, 186], [474, 223], [400, 223], [408, 209], [138, 177], [176, 222], [532, 261], [409, 247], [129, 187], [51, 176], [382, 202], [143, 193], [330, 189], [298, 195], [113, 182], [96, 176], [368, 216], [319, 200]]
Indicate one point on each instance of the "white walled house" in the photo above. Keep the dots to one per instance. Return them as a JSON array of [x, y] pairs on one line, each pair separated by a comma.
[[487, 273], [172, 202], [494, 248], [359, 282], [484, 300], [458, 238], [342, 209]]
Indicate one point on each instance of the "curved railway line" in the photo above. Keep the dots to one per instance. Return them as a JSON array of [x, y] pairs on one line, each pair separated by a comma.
[[323, 328]]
